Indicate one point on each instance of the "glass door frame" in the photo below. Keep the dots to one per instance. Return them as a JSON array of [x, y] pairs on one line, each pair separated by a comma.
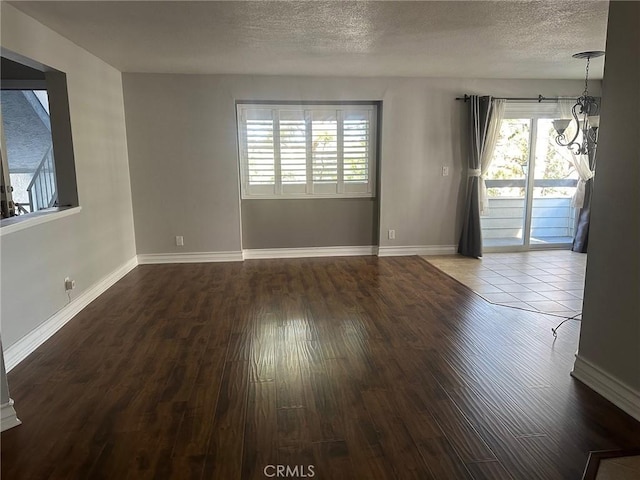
[[533, 113], [529, 183]]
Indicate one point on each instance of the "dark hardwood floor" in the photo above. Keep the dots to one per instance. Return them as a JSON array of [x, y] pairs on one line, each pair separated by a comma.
[[363, 368]]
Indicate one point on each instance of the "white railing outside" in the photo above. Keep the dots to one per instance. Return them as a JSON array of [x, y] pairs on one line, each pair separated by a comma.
[[553, 219], [42, 189]]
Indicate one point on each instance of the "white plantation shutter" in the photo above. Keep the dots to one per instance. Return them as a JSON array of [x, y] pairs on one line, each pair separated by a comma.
[[324, 139], [258, 151], [293, 150], [301, 151], [357, 146]]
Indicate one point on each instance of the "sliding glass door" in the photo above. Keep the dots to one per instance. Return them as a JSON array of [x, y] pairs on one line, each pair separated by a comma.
[[530, 184], [504, 224], [553, 219]]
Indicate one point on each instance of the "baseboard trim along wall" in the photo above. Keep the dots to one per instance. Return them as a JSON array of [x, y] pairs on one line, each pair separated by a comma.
[[17, 352], [406, 251], [192, 257], [9, 418], [621, 395], [309, 252]]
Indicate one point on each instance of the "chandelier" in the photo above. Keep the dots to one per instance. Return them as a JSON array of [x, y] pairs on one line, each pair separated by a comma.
[[585, 117]]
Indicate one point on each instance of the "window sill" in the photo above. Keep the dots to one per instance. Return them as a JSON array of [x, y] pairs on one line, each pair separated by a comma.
[[303, 196], [22, 222]]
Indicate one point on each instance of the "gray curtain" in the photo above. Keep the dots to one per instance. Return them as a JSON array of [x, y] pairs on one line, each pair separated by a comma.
[[581, 238], [470, 243]]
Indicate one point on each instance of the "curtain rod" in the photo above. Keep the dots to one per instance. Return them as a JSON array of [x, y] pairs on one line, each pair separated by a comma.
[[539, 98]]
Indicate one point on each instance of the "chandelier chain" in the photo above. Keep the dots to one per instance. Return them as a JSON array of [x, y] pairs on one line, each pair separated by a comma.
[[586, 78]]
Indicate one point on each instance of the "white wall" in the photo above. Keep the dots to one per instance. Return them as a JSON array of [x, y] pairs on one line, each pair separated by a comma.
[[93, 243], [609, 353], [183, 151]]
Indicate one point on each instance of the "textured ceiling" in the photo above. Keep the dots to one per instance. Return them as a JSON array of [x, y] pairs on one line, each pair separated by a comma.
[[503, 39]]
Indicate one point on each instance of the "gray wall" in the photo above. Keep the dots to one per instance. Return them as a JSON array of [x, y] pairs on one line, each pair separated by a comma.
[[89, 245], [309, 223], [181, 132], [610, 333], [62, 137]]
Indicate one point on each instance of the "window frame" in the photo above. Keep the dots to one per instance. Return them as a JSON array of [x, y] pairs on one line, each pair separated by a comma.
[[54, 82], [309, 189], [533, 112]]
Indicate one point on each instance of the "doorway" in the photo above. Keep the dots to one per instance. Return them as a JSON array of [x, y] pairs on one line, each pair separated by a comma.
[[530, 184]]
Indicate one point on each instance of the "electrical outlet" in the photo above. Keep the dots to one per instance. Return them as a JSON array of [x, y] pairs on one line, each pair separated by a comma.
[[69, 284], [445, 171], [179, 241], [392, 234]]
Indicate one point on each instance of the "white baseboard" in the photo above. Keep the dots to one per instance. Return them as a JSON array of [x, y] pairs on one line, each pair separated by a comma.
[[305, 252], [621, 395], [8, 416], [405, 251], [252, 254], [17, 352], [192, 257]]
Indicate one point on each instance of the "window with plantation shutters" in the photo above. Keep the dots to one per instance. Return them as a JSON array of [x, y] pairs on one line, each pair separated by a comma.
[[303, 151]]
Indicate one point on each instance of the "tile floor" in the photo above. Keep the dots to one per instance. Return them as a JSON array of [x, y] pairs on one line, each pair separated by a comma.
[[621, 468], [547, 281]]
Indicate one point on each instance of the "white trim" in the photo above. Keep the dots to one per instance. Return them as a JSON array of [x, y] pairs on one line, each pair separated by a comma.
[[533, 109], [618, 393], [251, 254], [17, 352], [8, 416], [38, 218], [307, 196], [191, 257], [270, 113], [409, 250]]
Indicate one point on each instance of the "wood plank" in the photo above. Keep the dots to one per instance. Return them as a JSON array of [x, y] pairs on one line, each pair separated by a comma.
[[333, 460], [395, 438], [260, 433], [489, 471], [224, 452]]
